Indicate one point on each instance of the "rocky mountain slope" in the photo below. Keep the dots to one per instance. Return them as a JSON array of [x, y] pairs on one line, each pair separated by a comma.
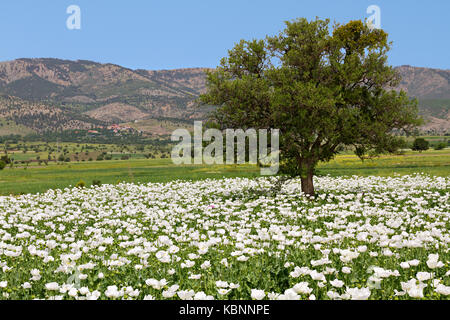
[[52, 94], [432, 88], [103, 92]]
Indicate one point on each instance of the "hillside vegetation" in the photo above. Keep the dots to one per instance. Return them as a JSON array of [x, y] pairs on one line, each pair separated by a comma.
[[52, 94]]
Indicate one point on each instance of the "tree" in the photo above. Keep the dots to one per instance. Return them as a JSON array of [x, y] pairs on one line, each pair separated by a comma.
[[420, 144], [440, 145], [2, 165], [5, 159], [323, 90]]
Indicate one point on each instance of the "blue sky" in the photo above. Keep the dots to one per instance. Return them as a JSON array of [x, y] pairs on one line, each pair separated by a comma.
[[167, 34]]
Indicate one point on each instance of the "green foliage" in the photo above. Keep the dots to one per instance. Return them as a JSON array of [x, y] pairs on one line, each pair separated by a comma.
[[420, 144], [440, 146], [96, 183], [5, 159], [2, 165], [80, 184], [323, 91]]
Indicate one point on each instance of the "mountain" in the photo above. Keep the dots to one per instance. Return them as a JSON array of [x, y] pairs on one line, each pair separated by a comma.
[[97, 93], [52, 94], [432, 88]]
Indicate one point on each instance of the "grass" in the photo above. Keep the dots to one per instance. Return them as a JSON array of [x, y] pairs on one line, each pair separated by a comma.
[[430, 162], [8, 127], [40, 179], [59, 176]]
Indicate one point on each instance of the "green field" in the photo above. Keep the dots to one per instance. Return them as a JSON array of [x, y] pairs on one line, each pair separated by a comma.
[[41, 178]]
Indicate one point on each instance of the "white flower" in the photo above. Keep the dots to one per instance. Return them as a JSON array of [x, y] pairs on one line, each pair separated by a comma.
[[415, 292], [337, 283], [302, 288], [224, 262], [52, 286], [414, 263], [3, 284], [444, 290], [221, 284], [186, 294], [388, 253], [169, 293], [288, 264], [358, 294], [423, 276], [242, 258], [399, 293], [405, 265], [346, 270], [202, 296], [433, 261], [73, 292], [36, 275], [158, 285], [26, 285], [84, 291], [112, 292], [65, 288], [362, 249], [333, 295], [94, 295], [258, 294], [318, 276], [223, 291], [187, 264], [289, 294], [413, 289], [273, 296], [234, 285], [163, 256]]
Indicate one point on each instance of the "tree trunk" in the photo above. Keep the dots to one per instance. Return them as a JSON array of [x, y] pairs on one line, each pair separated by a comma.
[[307, 183]]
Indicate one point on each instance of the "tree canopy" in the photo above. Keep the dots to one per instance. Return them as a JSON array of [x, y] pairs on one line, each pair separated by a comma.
[[322, 86], [420, 144]]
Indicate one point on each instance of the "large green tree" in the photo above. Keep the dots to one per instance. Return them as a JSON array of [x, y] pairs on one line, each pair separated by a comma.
[[322, 86]]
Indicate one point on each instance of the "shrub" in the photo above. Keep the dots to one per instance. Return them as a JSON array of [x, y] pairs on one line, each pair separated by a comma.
[[2, 165], [440, 146], [80, 184], [5, 159], [97, 183], [420, 144]]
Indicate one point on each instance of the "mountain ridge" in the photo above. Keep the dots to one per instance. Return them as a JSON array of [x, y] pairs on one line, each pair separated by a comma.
[[91, 93]]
